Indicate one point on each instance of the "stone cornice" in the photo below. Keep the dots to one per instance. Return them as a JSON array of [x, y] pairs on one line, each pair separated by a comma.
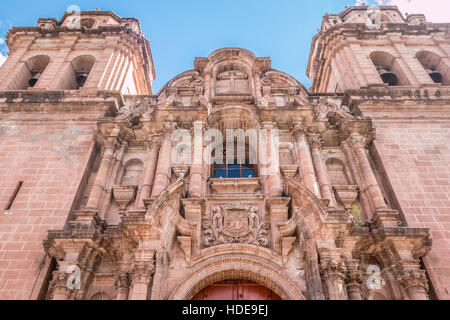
[[103, 103]]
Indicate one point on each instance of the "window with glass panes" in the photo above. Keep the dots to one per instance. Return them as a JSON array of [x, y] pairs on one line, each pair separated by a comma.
[[234, 169]]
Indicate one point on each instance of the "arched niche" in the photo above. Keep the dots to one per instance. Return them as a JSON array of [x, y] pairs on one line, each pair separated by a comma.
[[337, 172], [132, 172]]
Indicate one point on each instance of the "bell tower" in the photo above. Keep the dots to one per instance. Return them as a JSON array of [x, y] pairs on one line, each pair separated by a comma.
[[395, 72], [84, 50], [375, 46]]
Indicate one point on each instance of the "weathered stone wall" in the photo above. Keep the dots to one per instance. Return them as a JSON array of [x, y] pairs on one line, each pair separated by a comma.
[[416, 157], [50, 158]]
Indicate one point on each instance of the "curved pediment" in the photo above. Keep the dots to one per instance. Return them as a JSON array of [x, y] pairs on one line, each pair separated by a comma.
[[233, 75]]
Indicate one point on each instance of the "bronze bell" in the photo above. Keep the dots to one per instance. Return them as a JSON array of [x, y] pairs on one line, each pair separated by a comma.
[[81, 79], [435, 76], [388, 77], [34, 79]]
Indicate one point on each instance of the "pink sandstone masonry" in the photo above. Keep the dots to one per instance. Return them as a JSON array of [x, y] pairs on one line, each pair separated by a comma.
[[111, 192]]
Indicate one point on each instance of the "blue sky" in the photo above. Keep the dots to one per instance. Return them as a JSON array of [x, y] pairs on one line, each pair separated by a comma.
[[181, 30]]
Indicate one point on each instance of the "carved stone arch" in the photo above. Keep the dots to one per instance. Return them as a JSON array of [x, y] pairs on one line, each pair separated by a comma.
[[377, 295], [132, 171], [100, 296], [233, 117], [253, 264], [225, 56], [185, 79], [278, 78]]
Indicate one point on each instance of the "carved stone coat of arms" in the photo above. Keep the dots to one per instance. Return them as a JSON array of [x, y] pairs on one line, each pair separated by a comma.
[[236, 223]]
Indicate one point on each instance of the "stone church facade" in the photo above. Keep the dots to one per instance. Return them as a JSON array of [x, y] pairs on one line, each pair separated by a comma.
[[111, 191]]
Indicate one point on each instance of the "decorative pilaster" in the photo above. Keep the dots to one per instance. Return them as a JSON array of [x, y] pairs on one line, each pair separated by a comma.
[[107, 154], [141, 276], [269, 159], [358, 143], [77, 252], [333, 273], [154, 144], [58, 286], [304, 158], [257, 81], [409, 275], [162, 176], [207, 84], [197, 177], [319, 166], [354, 280], [122, 284]]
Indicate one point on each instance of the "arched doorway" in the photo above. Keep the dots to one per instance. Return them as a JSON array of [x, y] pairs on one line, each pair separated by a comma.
[[236, 290]]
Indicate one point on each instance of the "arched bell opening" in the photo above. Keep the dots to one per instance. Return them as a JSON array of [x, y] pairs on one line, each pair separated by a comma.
[[36, 66], [434, 66], [82, 67], [77, 73], [30, 73], [389, 69]]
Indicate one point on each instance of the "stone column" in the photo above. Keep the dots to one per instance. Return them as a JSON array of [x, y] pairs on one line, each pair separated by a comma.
[[162, 176], [357, 143], [321, 170], [154, 143], [333, 273], [268, 157], [141, 276], [107, 157], [58, 286], [304, 158], [197, 177], [354, 280], [122, 285], [412, 279]]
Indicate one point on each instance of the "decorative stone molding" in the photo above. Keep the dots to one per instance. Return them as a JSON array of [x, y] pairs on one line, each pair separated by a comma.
[[123, 281], [287, 244], [142, 271], [289, 170], [346, 195], [244, 185], [236, 223], [237, 267], [124, 196], [186, 246]]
